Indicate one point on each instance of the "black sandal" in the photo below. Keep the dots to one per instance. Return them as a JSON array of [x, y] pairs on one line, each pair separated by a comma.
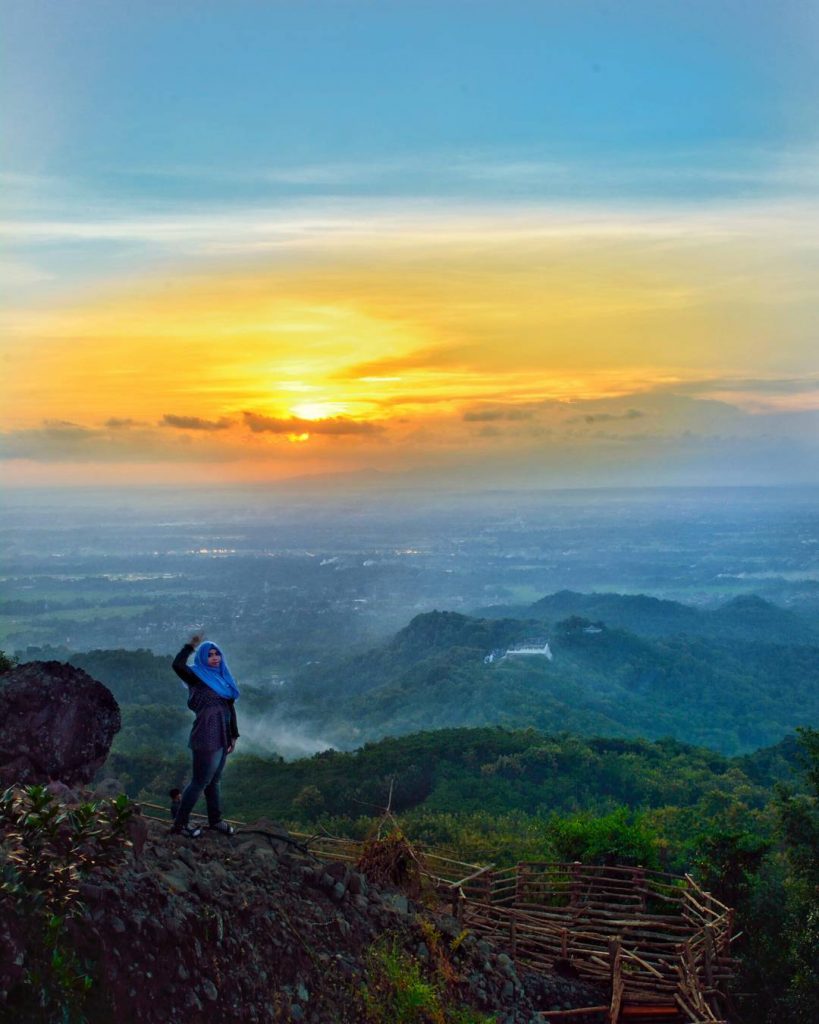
[[189, 831], [224, 827]]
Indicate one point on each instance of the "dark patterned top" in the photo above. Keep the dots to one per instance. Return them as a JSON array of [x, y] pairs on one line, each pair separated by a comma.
[[215, 724]]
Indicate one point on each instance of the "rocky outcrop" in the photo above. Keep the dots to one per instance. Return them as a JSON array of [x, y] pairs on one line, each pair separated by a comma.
[[253, 928], [56, 722]]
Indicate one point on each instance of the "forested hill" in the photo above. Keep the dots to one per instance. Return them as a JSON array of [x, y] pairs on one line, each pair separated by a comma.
[[494, 771], [746, 617], [729, 694], [706, 686]]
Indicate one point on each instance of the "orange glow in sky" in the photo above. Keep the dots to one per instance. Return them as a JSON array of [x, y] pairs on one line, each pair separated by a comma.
[[408, 355]]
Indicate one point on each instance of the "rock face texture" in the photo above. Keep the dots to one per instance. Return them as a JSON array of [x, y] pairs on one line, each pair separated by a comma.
[[252, 928], [56, 722]]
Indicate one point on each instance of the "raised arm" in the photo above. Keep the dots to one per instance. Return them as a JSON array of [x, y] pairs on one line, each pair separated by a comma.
[[180, 664]]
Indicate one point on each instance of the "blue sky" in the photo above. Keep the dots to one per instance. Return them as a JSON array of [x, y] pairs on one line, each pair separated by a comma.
[[121, 95], [118, 110], [624, 195]]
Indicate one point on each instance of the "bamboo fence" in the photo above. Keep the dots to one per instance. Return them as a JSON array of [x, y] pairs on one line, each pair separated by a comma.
[[658, 942]]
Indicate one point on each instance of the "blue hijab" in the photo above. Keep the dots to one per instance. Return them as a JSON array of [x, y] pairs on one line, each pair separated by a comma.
[[218, 679]]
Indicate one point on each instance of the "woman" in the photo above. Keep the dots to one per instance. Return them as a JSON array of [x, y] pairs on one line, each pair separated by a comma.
[[212, 691]]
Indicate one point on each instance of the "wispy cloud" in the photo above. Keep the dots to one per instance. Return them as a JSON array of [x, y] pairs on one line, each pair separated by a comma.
[[59, 440], [758, 385], [119, 440], [606, 417], [331, 223], [115, 423], [757, 395], [491, 414], [492, 172], [428, 359]]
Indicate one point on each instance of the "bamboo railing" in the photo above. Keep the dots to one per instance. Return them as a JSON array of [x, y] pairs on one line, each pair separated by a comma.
[[653, 939], [439, 870]]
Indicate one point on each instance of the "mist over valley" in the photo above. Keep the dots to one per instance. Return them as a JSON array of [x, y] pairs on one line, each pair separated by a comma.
[[670, 612]]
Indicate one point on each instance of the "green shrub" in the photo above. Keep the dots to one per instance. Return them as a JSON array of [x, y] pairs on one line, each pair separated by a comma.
[[46, 849], [400, 990], [617, 838]]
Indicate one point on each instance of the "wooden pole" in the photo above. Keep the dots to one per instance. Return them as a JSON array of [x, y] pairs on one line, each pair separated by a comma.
[[710, 956], [574, 885], [564, 1014], [616, 976], [639, 879]]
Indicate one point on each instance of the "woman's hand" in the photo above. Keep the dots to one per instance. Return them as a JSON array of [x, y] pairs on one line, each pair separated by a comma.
[[231, 747], [195, 640]]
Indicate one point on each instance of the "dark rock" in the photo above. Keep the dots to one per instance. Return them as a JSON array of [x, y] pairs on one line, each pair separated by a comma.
[[397, 901], [65, 794], [108, 788], [137, 834], [449, 926], [357, 884], [338, 871], [56, 723]]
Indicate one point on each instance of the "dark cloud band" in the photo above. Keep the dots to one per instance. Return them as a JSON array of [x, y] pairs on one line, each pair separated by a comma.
[[333, 425], [193, 423]]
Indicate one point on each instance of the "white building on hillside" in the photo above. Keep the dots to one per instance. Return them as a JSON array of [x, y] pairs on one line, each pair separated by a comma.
[[525, 649], [529, 648]]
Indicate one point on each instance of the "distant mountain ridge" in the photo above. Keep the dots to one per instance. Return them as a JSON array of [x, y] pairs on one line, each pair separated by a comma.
[[745, 617]]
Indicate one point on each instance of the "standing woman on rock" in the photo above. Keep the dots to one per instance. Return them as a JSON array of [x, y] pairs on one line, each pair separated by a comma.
[[212, 692]]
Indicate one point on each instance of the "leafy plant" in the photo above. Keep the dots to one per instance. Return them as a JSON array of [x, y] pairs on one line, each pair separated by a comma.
[[46, 849], [616, 838]]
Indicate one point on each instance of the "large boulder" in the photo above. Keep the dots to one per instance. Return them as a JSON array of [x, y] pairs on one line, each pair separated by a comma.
[[56, 722]]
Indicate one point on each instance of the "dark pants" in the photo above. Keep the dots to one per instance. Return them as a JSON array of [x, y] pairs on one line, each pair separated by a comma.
[[207, 772]]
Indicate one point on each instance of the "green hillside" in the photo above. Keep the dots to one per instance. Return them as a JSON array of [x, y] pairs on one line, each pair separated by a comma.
[[494, 771], [728, 694]]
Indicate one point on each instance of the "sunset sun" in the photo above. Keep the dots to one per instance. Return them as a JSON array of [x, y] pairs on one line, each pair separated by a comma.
[[319, 410]]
